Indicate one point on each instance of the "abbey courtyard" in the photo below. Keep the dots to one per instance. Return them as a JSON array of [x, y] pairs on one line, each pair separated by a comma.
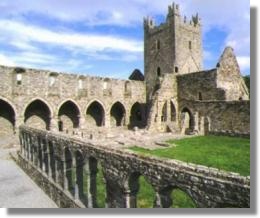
[[66, 125]]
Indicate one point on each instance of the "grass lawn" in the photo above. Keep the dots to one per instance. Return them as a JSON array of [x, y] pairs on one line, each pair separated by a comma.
[[226, 153]]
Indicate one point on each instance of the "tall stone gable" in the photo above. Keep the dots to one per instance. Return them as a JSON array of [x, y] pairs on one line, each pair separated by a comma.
[[173, 47]]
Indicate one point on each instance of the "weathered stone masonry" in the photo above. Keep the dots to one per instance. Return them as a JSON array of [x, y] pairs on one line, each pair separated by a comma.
[[48, 157], [166, 99]]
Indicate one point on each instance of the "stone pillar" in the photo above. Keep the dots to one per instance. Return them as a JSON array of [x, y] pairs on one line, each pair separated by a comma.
[[107, 119], [76, 187], [27, 148], [49, 161], [90, 168], [65, 179], [130, 198], [36, 152], [168, 113], [54, 124], [18, 122], [82, 121]]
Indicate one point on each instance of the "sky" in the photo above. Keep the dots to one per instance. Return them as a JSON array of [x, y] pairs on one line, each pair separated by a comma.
[[105, 38]]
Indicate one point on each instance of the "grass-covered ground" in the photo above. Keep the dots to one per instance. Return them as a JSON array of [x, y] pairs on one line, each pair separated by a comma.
[[226, 153]]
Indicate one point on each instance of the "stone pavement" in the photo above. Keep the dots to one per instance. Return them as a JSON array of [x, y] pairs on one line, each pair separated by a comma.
[[17, 190]]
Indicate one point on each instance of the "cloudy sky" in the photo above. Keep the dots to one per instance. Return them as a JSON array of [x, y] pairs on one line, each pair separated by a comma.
[[105, 38]]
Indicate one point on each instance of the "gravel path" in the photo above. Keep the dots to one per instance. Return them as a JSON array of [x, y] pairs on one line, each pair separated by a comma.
[[17, 190]]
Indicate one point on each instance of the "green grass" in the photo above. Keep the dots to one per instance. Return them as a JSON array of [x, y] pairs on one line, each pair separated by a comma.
[[181, 199], [146, 194], [226, 153]]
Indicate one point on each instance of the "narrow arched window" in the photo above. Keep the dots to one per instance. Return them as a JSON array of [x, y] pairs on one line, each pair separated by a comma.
[[200, 96], [158, 44], [190, 45], [158, 71]]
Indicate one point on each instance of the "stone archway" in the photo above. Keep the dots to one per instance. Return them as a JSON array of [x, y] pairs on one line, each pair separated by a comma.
[[38, 115], [69, 115], [117, 115], [95, 115], [187, 121], [137, 116], [7, 119]]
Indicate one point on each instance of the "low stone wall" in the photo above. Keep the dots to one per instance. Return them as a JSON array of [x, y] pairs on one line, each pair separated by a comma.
[[53, 190], [208, 187]]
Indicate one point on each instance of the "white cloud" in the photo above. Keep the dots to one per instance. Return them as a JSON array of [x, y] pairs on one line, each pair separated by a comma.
[[244, 62], [4, 60], [89, 42]]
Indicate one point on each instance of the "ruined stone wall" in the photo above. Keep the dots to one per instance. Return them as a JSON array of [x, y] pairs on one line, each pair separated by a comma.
[[229, 77], [20, 87], [207, 187], [223, 117], [199, 86]]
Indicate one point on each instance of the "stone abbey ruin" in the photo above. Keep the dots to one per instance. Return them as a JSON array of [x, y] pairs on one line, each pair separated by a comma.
[[67, 120]]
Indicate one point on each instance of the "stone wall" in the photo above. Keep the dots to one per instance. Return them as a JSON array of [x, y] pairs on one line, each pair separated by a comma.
[[50, 154], [223, 117], [199, 86], [38, 97]]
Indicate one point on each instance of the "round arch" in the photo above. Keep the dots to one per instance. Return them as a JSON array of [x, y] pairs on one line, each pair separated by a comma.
[[7, 118], [95, 114], [38, 114], [187, 121], [117, 114], [68, 115], [177, 197]]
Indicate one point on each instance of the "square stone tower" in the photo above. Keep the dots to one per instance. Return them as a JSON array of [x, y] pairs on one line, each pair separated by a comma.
[[173, 47]]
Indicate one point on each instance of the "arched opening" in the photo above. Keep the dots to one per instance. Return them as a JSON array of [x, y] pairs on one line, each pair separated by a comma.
[[37, 115], [96, 184], [173, 112], [173, 197], [136, 116], [181, 199], [187, 121], [95, 114], [69, 171], [81, 177], [52, 161], [117, 115], [159, 72], [69, 115], [164, 112], [7, 119], [200, 96], [142, 193]]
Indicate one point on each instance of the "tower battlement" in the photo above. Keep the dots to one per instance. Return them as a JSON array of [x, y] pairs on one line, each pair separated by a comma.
[[173, 17]]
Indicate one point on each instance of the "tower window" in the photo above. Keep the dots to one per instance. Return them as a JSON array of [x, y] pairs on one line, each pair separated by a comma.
[[190, 46], [176, 69], [158, 71], [200, 96], [18, 78], [158, 44]]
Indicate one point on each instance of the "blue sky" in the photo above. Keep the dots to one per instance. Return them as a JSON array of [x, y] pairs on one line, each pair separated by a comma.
[[105, 38]]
